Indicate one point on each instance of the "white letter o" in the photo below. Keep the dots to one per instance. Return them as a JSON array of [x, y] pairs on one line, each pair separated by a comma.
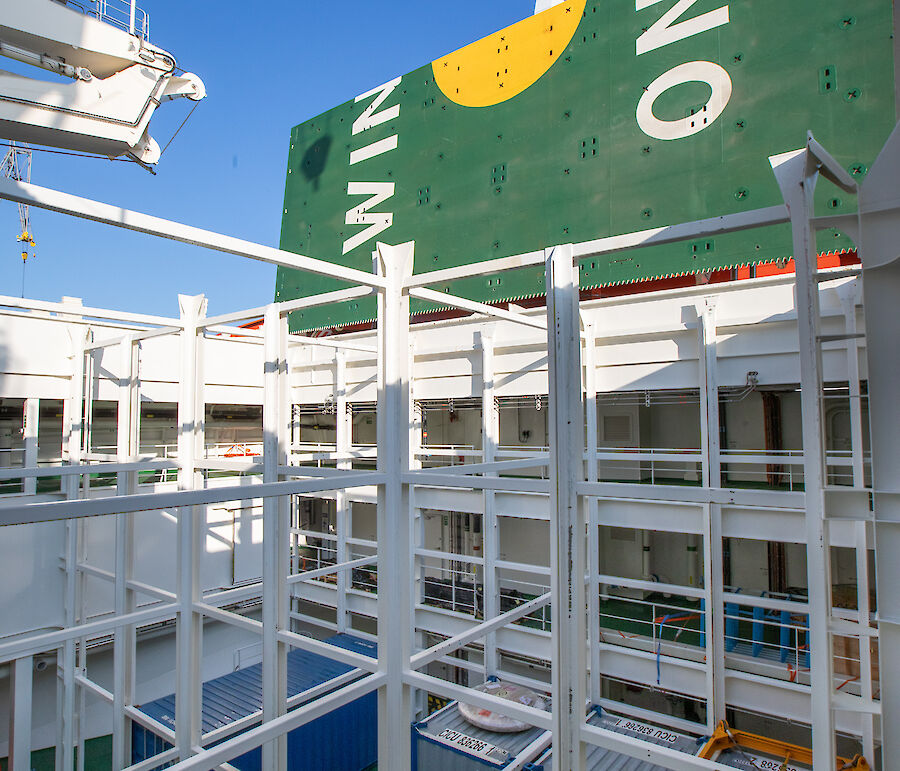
[[690, 72]]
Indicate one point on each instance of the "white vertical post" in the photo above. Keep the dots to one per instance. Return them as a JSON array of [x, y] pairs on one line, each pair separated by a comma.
[[30, 418], [710, 440], [490, 532], [395, 618], [593, 508], [710, 448], [881, 286], [796, 174], [190, 521], [276, 542], [20, 687], [131, 15], [124, 602], [416, 427], [567, 524], [878, 248], [65, 742], [850, 297], [343, 514], [90, 383]]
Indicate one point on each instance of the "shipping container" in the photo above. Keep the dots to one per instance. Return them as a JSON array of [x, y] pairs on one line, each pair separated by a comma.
[[600, 759], [447, 741], [343, 740]]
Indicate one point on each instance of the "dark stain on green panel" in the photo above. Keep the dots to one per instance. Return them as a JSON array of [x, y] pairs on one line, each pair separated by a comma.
[[565, 161]]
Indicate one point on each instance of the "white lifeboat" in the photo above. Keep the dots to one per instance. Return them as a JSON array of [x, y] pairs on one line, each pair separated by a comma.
[[112, 80]]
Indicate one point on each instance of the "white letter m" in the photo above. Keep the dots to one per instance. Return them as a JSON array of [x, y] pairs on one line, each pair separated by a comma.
[[360, 215]]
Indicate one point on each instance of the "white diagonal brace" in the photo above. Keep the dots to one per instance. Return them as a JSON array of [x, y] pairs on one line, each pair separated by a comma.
[[53, 200], [477, 632], [442, 298]]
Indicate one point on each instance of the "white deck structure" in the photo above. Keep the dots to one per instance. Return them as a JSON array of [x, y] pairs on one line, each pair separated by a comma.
[[194, 555], [107, 77]]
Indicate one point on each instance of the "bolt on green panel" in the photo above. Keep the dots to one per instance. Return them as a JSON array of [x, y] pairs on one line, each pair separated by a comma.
[[605, 141]]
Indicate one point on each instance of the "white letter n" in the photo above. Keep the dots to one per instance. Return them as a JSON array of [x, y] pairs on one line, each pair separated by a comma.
[[369, 117]]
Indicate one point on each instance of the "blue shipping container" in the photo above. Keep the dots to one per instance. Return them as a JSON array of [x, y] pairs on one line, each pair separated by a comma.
[[343, 740]]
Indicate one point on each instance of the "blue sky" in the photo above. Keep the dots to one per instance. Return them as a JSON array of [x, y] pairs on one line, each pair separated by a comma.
[[267, 66]]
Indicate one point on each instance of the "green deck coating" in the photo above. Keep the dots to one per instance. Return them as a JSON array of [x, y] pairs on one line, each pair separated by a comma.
[[97, 756], [478, 183]]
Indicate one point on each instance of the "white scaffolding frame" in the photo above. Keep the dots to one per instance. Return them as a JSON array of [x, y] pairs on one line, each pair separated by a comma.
[[573, 489]]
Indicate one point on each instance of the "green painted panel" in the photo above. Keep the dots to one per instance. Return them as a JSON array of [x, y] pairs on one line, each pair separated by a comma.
[[97, 756], [565, 160]]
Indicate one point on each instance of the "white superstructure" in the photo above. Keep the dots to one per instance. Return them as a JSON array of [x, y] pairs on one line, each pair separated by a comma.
[[666, 504]]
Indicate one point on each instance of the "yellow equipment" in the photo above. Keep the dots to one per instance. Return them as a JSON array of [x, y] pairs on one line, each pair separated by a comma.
[[777, 755]]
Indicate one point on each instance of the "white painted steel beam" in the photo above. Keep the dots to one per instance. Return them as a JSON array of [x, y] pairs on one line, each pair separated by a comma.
[[395, 619], [57, 510], [155, 762], [40, 643], [431, 478], [276, 544], [189, 525], [85, 469], [124, 637], [343, 423], [135, 336], [20, 688], [66, 311], [796, 173], [228, 617], [880, 256], [710, 450], [567, 520], [352, 658], [255, 336], [339, 568], [472, 306], [326, 298], [669, 234], [490, 529], [493, 467], [30, 419], [64, 203], [475, 269], [764, 499], [595, 683], [280, 726], [136, 586], [456, 642], [75, 439]]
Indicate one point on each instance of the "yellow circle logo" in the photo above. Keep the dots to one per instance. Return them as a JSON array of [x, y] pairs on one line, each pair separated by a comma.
[[504, 64]]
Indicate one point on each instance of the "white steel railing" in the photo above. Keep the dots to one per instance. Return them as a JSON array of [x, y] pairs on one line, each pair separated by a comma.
[[627, 618], [397, 670], [451, 583], [784, 468], [514, 593], [659, 465], [123, 14]]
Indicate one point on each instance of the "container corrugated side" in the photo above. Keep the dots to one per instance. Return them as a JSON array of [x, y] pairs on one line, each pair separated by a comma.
[[342, 740], [601, 759]]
